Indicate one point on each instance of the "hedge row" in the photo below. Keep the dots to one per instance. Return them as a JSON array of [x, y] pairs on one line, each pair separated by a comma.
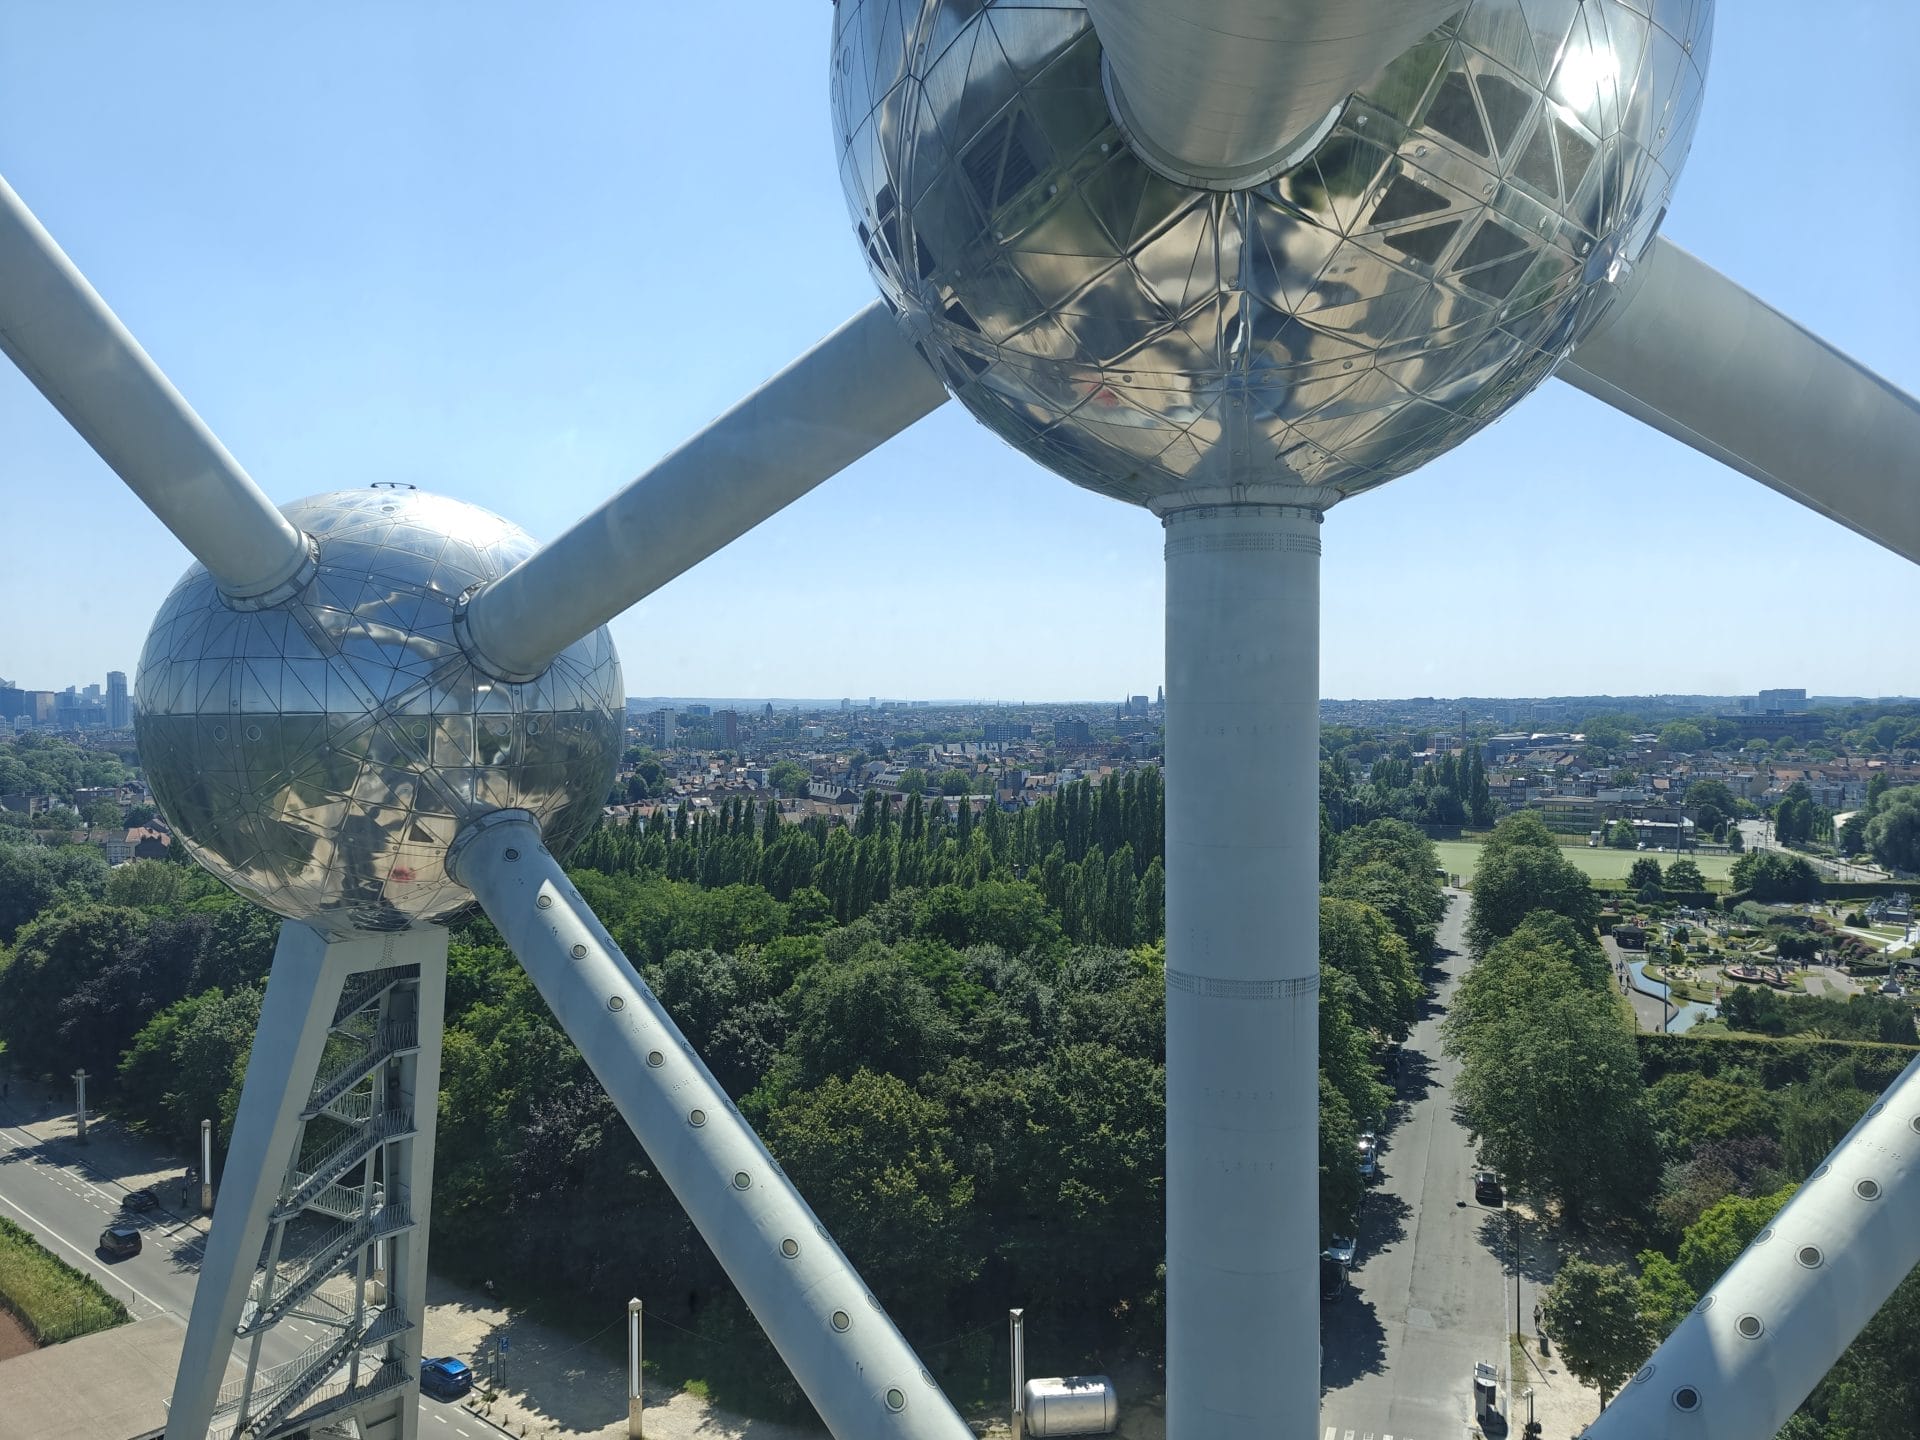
[[51, 1298], [1777, 1061]]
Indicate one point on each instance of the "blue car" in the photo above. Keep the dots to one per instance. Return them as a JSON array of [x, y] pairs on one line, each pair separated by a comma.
[[446, 1378]]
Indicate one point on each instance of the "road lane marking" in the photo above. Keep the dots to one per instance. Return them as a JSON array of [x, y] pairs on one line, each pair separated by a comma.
[[85, 1256]]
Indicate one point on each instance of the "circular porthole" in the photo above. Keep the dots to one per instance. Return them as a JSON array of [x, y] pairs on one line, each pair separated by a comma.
[[1914, 1124], [1750, 1326], [615, 1002], [1686, 1398], [1867, 1189], [545, 902], [896, 1400], [513, 854], [741, 1180], [1643, 1374], [699, 1118], [1820, 1170], [1764, 1236], [1706, 1304], [656, 1059], [842, 1321], [253, 732], [789, 1247], [219, 732], [1809, 1256], [579, 952], [927, 1375]]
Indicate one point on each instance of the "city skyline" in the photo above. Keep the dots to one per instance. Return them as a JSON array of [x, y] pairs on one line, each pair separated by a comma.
[[339, 291]]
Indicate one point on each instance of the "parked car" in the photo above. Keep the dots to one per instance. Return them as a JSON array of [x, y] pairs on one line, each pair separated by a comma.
[[117, 1242], [1369, 1148], [1486, 1188], [1342, 1250], [145, 1198], [1333, 1279], [446, 1378]]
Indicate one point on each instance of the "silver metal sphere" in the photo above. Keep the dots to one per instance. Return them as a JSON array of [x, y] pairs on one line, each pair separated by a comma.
[[321, 755], [1322, 333]]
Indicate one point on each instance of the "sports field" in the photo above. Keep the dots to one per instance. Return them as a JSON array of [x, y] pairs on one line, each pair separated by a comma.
[[1462, 858]]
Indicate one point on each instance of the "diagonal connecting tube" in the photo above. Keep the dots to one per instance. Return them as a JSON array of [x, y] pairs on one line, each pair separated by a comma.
[[1692, 354], [58, 330], [856, 389], [855, 1367]]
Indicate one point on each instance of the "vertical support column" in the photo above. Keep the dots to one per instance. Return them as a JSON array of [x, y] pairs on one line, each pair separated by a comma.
[[1243, 886], [303, 992], [302, 989], [410, 1161]]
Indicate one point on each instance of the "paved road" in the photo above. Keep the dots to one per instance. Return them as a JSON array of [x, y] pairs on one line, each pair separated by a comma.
[[46, 1188], [1428, 1296]]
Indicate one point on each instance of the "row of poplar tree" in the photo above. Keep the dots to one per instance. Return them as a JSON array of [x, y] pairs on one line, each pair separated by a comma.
[[1095, 851]]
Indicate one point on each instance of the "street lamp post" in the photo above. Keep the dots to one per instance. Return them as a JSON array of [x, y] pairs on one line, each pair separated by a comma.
[[80, 1105], [633, 1369], [206, 1167]]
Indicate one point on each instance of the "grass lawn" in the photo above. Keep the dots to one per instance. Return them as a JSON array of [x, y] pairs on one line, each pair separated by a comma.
[[1462, 858], [55, 1300]]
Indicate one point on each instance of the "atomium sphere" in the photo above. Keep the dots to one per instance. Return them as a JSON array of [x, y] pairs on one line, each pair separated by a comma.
[[1425, 267], [321, 755]]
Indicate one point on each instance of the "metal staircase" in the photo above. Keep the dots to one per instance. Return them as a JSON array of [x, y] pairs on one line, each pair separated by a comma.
[[341, 1237]]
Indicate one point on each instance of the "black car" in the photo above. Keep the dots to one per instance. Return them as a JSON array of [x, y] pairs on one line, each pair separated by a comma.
[[1333, 1278], [1486, 1188], [145, 1198], [117, 1242]]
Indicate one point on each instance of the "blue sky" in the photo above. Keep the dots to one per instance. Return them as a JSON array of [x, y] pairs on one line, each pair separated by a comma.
[[515, 253]]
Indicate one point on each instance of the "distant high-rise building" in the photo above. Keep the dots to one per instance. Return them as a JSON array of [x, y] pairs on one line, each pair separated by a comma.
[[1136, 704], [660, 729], [699, 710], [1070, 731], [119, 712], [1160, 695], [727, 722], [845, 703], [1772, 702]]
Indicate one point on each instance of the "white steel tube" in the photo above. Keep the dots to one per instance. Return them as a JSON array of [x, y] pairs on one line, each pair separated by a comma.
[[1697, 357], [857, 388], [58, 330], [1227, 94], [1780, 1317], [854, 1366], [1243, 891]]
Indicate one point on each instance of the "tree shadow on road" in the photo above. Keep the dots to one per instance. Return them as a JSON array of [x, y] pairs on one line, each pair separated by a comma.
[[1353, 1341]]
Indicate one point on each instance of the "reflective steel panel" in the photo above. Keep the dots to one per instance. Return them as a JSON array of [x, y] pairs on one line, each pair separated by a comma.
[[1330, 330], [321, 755]]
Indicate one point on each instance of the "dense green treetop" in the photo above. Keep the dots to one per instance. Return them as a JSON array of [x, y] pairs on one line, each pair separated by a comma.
[[1594, 1313]]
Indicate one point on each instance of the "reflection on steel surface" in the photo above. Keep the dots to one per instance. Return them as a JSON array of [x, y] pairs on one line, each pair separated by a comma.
[[320, 756], [1324, 332]]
